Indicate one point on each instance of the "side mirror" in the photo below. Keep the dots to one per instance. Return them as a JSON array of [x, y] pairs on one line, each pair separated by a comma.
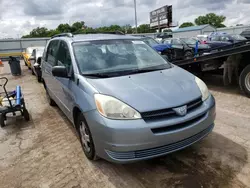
[[60, 71], [31, 58]]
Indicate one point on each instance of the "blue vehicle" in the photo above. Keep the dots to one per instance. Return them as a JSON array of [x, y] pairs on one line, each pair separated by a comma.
[[126, 102], [156, 45]]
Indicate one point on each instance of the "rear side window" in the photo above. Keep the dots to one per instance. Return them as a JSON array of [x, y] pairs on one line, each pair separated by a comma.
[[167, 42], [215, 38], [176, 42], [224, 38], [63, 55], [51, 52]]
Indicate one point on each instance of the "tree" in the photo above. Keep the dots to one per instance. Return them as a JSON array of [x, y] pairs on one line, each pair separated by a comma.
[[186, 24], [37, 32], [64, 28], [127, 29], [212, 19], [77, 26], [144, 28]]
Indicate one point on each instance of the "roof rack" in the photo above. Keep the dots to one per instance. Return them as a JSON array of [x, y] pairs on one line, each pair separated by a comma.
[[63, 35], [111, 32]]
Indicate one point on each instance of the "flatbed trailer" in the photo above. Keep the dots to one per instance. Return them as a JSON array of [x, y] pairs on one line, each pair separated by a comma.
[[215, 60]]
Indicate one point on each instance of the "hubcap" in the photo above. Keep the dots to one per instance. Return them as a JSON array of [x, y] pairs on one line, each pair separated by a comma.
[[84, 137], [188, 56], [247, 81]]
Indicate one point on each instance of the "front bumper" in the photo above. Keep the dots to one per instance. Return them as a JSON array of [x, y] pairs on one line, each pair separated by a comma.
[[133, 140]]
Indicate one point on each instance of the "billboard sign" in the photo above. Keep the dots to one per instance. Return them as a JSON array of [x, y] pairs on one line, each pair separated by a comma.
[[161, 17]]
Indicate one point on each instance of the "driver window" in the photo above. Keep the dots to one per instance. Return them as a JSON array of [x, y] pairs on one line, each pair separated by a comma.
[[63, 56]]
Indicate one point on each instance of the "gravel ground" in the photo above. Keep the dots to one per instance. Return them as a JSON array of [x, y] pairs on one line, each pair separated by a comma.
[[46, 153]]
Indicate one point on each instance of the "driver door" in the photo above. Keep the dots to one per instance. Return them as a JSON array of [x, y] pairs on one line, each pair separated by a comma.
[[65, 85], [178, 48]]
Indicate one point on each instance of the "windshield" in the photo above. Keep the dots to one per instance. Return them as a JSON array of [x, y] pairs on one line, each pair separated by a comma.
[[110, 56], [188, 41], [150, 41], [238, 37]]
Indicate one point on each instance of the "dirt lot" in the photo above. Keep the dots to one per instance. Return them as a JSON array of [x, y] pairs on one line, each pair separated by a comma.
[[46, 153]]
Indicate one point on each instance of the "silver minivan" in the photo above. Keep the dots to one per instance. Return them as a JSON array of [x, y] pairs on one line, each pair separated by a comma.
[[126, 102]]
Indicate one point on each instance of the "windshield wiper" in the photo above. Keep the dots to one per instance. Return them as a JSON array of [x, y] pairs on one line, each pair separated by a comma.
[[97, 75], [128, 72], [154, 68]]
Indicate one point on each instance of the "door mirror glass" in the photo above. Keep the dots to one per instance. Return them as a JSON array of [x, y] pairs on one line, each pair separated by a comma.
[[60, 71]]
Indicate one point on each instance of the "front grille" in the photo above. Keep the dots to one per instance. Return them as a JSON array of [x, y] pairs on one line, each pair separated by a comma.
[[147, 153], [178, 126], [169, 112]]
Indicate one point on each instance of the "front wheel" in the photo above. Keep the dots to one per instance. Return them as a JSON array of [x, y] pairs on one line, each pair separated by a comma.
[[188, 55], [244, 81], [85, 138]]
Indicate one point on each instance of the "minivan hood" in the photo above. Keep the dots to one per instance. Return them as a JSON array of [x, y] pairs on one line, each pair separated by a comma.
[[151, 91]]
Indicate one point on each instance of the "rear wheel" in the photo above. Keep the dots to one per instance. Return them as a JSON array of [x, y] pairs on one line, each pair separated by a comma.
[[26, 114], [244, 80], [39, 79], [85, 137], [2, 120], [50, 100]]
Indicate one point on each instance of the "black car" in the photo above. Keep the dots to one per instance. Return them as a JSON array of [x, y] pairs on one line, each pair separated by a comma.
[[184, 48], [246, 34], [224, 40]]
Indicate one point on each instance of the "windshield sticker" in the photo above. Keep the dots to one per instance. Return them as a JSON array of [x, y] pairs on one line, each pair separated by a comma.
[[138, 42]]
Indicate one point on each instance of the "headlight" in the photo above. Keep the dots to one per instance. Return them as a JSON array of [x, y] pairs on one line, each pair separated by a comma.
[[203, 88], [113, 108]]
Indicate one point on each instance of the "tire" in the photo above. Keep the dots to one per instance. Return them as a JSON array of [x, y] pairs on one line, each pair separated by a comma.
[[50, 100], [2, 120], [39, 79], [188, 55], [26, 114], [87, 142], [244, 80]]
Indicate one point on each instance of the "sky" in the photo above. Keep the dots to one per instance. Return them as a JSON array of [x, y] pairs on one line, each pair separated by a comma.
[[19, 17]]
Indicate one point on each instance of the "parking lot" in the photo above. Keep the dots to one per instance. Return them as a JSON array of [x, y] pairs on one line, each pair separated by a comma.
[[46, 153]]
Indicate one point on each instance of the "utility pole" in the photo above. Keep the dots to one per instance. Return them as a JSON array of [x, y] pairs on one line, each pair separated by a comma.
[[135, 16]]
